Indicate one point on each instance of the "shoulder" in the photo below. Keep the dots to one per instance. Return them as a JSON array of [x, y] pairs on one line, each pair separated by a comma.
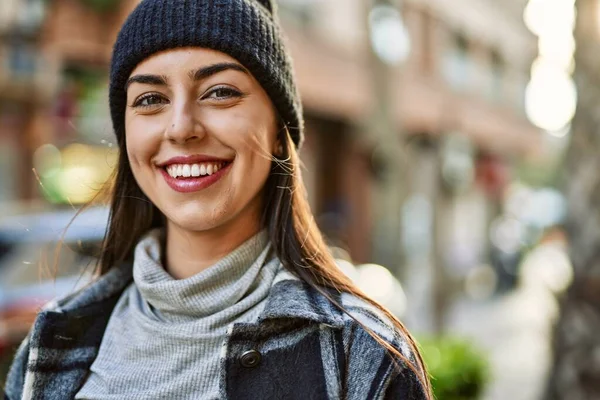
[[358, 335], [96, 292], [15, 379], [390, 375], [291, 297], [363, 315]]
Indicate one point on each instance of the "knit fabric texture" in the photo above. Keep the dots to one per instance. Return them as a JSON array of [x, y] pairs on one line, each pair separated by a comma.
[[247, 30], [165, 338]]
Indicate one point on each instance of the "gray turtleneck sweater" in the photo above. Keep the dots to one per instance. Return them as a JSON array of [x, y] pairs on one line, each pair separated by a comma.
[[165, 337]]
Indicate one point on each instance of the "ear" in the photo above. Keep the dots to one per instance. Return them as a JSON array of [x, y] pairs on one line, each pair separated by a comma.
[[268, 4]]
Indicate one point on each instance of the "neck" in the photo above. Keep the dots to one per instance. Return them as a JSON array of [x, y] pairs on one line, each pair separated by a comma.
[[190, 252]]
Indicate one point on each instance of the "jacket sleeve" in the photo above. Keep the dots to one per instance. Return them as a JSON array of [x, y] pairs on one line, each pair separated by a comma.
[[15, 380]]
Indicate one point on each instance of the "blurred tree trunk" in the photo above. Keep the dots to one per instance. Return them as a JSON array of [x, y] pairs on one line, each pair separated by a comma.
[[575, 373]]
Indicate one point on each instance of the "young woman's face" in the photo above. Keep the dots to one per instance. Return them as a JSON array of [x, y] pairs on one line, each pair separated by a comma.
[[200, 132]]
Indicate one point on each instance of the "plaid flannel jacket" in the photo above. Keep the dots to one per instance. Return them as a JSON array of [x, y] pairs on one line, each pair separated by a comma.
[[302, 347]]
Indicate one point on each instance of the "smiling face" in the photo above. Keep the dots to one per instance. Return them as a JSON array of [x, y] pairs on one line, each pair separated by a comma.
[[200, 131]]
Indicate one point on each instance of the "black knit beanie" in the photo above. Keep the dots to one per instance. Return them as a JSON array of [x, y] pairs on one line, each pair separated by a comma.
[[247, 30]]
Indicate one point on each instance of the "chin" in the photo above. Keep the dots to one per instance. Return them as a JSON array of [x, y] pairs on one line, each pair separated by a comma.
[[195, 224], [197, 220]]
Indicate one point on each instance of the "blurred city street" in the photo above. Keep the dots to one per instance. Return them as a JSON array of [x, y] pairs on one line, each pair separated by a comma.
[[514, 329], [451, 153]]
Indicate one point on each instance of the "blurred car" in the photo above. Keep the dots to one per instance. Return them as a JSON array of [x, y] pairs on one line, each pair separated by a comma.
[[34, 269]]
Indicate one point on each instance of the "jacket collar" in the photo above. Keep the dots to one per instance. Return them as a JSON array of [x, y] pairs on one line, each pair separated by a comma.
[[295, 299], [97, 292]]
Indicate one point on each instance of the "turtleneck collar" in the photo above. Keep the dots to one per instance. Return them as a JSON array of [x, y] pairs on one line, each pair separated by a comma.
[[230, 287]]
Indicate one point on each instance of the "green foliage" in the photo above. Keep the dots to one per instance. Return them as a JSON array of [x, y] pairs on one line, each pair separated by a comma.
[[459, 370]]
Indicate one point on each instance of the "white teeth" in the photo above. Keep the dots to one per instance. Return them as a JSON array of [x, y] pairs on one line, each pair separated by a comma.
[[193, 170]]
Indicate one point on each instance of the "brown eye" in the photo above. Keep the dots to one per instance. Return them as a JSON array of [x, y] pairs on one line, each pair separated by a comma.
[[150, 100], [222, 93]]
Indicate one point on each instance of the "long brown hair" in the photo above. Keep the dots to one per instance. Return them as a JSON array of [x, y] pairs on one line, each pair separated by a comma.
[[294, 235]]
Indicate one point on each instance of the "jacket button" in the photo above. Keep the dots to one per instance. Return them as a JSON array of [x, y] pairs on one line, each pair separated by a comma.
[[250, 359]]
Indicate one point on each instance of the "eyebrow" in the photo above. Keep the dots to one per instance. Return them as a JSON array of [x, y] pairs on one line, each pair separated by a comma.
[[196, 75], [147, 79], [209, 70]]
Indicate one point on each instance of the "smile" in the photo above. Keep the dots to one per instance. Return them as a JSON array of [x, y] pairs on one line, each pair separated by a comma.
[[188, 174], [194, 170]]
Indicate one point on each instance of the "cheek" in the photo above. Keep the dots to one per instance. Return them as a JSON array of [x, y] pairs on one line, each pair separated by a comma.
[[255, 172], [250, 127], [252, 141], [256, 147], [140, 143], [132, 154]]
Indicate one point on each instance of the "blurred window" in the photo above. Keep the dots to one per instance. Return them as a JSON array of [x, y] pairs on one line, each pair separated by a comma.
[[22, 60], [8, 161], [31, 14], [13, 117], [8, 11], [457, 64], [24, 15]]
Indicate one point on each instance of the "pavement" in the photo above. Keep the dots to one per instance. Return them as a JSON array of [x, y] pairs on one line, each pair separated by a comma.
[[515, 329]]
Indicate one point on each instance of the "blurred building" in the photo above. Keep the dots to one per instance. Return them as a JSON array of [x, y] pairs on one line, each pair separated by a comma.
[[27, 82], [53, 87], [457, 104], [458, 99]]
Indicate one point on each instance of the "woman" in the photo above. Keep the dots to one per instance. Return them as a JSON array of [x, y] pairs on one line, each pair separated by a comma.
[[214, 282]]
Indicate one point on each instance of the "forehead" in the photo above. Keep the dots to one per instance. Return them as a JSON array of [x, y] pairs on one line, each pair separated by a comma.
[[183, 59]]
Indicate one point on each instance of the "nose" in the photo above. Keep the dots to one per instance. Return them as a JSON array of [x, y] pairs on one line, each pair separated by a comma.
[[183, 125]]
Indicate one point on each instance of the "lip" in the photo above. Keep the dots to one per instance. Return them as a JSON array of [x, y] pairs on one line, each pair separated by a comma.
[[193, 159], [190, 185]]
